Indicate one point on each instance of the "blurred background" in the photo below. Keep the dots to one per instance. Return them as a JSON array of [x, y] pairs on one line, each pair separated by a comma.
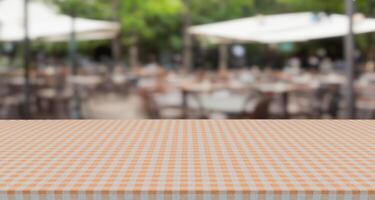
[[187, 59]]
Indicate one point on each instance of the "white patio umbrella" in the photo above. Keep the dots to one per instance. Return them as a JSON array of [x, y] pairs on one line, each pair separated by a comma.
[[46, 23], [249, 29], [291, 27], [334, 25]]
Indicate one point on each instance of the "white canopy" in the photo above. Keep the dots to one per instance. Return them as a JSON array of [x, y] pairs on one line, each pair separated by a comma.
[[293, 27], [46, 23]]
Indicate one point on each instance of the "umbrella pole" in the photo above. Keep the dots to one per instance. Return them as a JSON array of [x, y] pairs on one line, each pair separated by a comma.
[[349, 59], [26, 62], [76, 113], [223, 57], [187, 38]]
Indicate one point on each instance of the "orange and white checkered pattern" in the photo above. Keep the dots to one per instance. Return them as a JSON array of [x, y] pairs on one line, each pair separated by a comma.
[[190, 159]]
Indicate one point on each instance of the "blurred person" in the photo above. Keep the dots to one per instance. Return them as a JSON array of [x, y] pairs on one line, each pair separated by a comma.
[[321, 53], [246, 76], [149, 86], [295, 62], [256, 73], [152, 67], [267, 75], [370, 67], [339, 64], [255, 70], [223, 75], [293, 67], [154, 77], [177, 61], [10, 52], [313, 61], [200, 76], [326, 66], [334, 102]]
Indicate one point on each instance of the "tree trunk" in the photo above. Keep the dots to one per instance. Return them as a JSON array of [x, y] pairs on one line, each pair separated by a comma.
[[116, 42], [76, 111], [371, 49], [134, 54], [187, 40], [26, 62], [223, 57], [369, 53]]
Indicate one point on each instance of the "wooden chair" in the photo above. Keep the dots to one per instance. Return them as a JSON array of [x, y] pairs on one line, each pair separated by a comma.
[[261, 109], [365, 102], [10, 107]]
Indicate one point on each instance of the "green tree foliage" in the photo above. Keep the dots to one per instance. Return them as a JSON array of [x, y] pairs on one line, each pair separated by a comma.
[[331, 6], [217, 10], [314, 5], [149, 19]]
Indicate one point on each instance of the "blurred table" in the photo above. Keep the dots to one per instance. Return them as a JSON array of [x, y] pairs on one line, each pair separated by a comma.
[[332, 79], [283, 89], [58, 101], [231, 104], [85, 80], [120, 79], [85, 85], [190, 159], [20, 81]]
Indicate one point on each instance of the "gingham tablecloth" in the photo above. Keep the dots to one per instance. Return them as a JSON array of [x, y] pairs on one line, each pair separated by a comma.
[[187, 160]]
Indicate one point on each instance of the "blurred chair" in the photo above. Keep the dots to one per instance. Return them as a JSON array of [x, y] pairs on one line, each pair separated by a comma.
[[120, 82], [301, 104], [195, 108], [259, 110], [365, 102], [12, 102], [85, 84], [54, 102], [329, 101], [148, 104], [170, 105], [10, 107]]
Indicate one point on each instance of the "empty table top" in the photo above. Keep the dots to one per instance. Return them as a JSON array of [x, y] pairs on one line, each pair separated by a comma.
[[192, 159]]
